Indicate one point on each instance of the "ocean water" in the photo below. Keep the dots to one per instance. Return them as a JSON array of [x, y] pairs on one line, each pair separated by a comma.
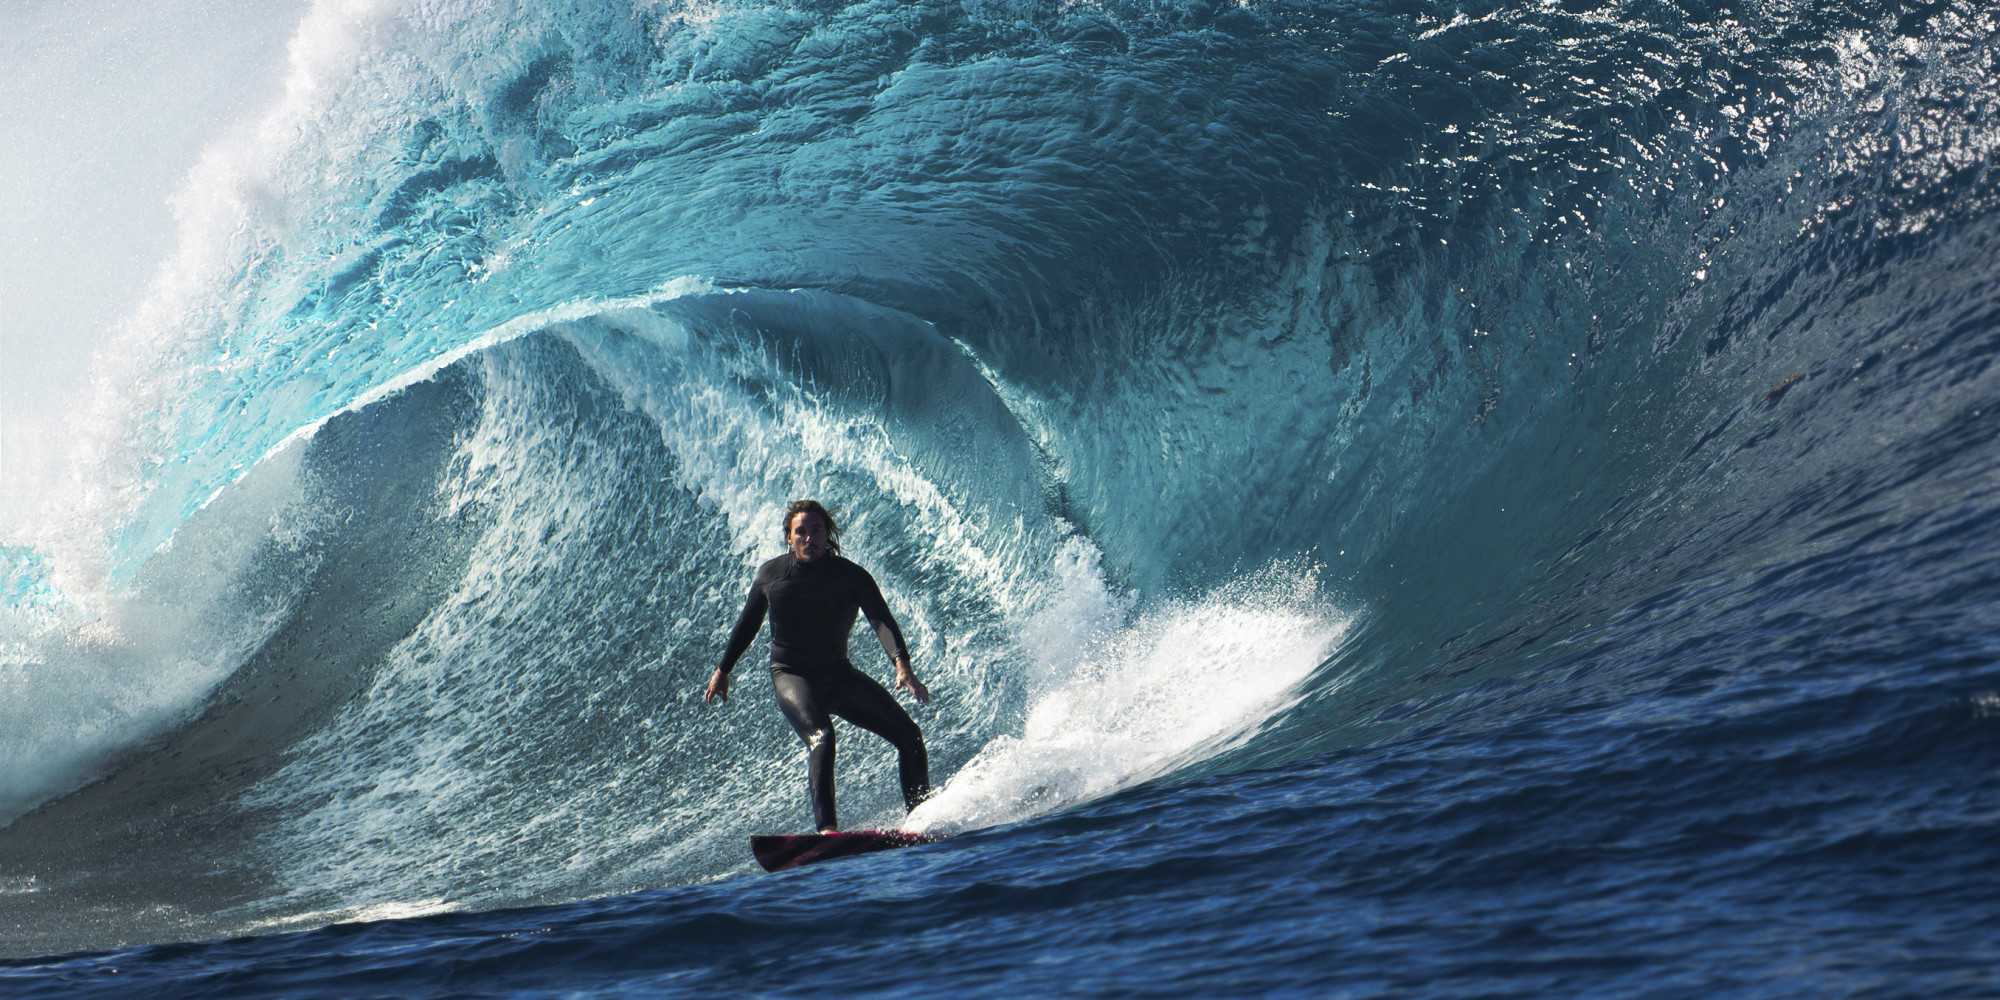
[[1391, 499]]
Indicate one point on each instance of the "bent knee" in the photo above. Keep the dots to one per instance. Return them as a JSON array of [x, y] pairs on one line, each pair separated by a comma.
[[818, 738]]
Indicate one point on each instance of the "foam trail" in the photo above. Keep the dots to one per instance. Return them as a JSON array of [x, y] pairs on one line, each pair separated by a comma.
[[1125, 700]]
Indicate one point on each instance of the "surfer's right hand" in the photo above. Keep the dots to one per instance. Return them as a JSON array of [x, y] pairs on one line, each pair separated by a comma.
[[718, 687]]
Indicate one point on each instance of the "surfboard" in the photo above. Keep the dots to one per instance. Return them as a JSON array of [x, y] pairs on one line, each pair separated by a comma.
[[779, 851]]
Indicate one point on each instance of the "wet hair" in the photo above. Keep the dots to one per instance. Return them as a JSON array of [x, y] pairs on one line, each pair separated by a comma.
[[797, 507]]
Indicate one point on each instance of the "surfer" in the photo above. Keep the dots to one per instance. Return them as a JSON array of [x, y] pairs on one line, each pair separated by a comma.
[[812, 595]]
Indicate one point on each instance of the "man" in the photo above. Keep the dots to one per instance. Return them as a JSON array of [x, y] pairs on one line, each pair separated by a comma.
[[812, 595]]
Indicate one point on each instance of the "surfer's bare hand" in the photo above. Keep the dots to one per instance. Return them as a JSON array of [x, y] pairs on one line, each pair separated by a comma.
[[718, 687], [908, 681]]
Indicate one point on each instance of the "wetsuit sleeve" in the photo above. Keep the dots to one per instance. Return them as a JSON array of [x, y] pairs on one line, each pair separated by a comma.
[[880, 619], [747, 625]]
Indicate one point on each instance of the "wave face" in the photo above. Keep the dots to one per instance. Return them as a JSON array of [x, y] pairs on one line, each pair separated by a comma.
[[1208, 386]]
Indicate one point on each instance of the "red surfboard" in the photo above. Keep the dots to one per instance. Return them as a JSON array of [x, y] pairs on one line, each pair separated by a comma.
[[779, 851]]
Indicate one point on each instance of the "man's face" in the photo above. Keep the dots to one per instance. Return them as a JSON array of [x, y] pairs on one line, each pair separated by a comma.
[[808, 536]]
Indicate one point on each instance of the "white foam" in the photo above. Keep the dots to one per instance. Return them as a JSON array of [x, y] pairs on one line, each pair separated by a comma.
[[1128, 700], [79, 683], [237, 204], [400, 910]]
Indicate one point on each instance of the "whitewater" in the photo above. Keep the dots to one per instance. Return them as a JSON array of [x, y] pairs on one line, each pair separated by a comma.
[[1389, 498]]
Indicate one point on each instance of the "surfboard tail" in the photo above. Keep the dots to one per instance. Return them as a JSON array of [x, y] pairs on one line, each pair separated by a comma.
[[777, 852]]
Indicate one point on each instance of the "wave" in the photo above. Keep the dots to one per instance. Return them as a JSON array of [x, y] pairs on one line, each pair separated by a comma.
[[1208, 385]]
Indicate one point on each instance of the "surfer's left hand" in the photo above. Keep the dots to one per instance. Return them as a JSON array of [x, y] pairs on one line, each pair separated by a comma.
[[908, 681]]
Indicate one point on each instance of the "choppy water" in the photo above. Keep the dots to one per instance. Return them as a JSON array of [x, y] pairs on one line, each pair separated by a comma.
[[1392, 499]]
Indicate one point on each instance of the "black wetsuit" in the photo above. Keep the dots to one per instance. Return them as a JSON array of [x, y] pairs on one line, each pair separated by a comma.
[[812, 606]]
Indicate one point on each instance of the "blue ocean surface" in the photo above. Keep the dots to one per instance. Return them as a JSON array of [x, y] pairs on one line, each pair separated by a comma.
[[1392, 499]]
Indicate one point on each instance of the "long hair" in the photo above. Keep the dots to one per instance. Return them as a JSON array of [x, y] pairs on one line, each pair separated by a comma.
[[797, 507]]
